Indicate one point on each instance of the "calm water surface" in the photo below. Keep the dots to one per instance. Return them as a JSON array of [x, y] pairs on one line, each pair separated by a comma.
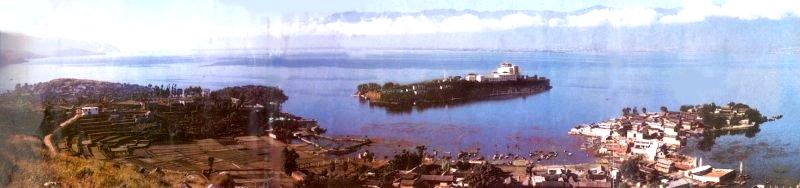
[[586, 88]]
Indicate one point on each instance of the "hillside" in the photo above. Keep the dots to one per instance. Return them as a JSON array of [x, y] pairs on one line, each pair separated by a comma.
[[25, 163], [19, 48]]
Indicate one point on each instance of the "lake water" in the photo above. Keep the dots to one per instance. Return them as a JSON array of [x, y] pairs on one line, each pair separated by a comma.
[[586, 88]]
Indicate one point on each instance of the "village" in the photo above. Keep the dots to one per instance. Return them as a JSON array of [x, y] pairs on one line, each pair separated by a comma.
[[239, 136], [644, 148]]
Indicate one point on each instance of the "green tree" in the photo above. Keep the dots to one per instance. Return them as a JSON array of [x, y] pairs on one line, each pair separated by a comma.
[[685, 108], [389, 85], [421, 150], [629, 169], [405, 161], [754, 116], [289, 160], [486, 175]]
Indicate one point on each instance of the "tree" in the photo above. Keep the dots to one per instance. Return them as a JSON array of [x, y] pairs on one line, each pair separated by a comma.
[[364, 88], [754, 116], [630, 168], [333, 179], [389, 85], [405, 161], [486, 175], [664, 109], [421, 150], [686, 108], [289, 160]]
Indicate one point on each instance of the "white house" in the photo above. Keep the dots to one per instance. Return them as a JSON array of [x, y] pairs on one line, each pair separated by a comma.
[[506, 72], [633, 134], [594, 131], [672, 141], [90, 110], [670, 131], [646, 148]]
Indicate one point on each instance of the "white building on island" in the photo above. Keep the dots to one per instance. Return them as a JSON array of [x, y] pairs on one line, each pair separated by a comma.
[[506, 72]]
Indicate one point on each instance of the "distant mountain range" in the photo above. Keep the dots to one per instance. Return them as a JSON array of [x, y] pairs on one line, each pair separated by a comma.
[[595, 29], [19, 48]]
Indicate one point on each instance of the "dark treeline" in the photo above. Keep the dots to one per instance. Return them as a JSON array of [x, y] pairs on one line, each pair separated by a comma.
[[445, 90], [228, 111]]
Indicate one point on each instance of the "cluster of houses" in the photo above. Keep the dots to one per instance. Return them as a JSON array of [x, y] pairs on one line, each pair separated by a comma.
[[506, 72], [657, 139]]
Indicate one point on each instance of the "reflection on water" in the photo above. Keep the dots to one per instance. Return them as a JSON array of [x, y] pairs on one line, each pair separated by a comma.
[[706, 143], [419, 108]]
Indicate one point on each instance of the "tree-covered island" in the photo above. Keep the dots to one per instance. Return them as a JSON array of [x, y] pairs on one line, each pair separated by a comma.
[[506, 81]]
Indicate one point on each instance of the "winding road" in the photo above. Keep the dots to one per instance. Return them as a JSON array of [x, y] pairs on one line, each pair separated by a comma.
[[48, 139]]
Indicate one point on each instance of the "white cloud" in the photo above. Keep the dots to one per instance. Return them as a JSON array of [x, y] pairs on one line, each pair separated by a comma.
[[191, 24], [420, 24], [404, 25], [129, 25], [699, 10], [553, 22], [626, 17]]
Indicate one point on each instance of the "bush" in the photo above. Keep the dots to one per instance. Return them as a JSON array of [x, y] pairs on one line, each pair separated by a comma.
[[486, 175]]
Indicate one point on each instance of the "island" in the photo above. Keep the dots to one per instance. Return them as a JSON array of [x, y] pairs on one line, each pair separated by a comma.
[[504, 82]]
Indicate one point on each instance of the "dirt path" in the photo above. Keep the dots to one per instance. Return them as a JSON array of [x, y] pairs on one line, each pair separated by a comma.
[[48, 139]]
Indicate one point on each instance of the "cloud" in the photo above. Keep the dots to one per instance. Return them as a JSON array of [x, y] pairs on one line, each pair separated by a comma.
[[699, 10], [410, 24], [196, 24], [129, 25], [404, 25], [421, 24], [626, 17]]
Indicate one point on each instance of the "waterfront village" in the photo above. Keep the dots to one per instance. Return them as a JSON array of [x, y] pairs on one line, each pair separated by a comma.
[[238, 136], [645, 147]]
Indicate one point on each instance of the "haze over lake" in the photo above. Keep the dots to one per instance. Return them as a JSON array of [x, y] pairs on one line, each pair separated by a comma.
[[587, 88]]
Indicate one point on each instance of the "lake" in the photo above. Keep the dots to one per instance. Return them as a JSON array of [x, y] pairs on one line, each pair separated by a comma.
[[587, 88]]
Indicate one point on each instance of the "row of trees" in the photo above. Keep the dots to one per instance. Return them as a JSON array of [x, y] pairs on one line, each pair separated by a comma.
[[227, 112], [633, 111], [354, 174], [444, 90]]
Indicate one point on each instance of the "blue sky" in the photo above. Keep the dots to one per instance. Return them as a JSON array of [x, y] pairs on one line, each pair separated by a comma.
[[138, 25]]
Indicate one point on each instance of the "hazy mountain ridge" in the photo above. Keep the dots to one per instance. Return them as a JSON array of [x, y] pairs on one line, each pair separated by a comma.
[[354, 16], [18, 48]]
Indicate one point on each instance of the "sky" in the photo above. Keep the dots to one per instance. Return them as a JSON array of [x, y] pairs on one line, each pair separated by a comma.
[[323, 6], [144, 25]]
